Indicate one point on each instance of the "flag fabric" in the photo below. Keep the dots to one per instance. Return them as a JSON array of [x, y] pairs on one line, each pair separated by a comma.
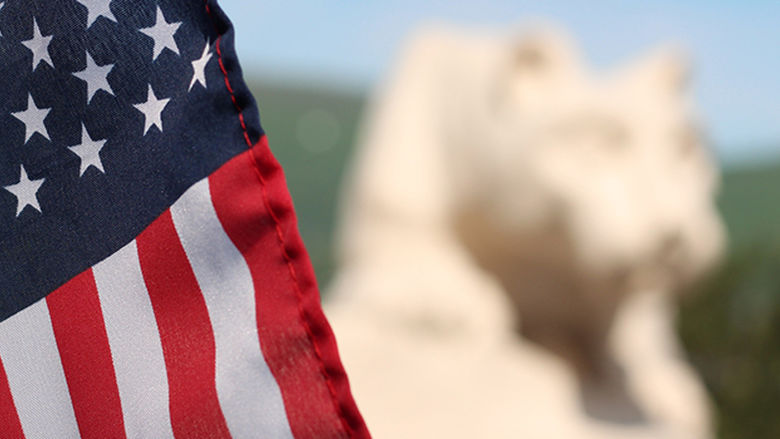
[[152, 280]]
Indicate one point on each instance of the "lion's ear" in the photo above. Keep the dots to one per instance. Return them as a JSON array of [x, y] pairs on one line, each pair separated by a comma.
[[536, 65], [543, 52], [667, 69]]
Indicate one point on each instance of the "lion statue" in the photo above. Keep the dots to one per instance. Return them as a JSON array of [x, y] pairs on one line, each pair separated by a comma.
[[514, 233]]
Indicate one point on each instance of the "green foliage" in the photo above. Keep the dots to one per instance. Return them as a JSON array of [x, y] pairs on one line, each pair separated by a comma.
[[730, 325]]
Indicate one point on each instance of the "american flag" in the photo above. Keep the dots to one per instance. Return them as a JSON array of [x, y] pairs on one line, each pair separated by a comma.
[[152, 279]]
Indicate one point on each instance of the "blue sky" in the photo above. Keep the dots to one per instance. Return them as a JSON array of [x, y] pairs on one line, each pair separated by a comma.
[[735, 46]]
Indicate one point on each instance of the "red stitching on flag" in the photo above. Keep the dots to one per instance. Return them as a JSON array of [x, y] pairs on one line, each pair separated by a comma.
[[280, 236]]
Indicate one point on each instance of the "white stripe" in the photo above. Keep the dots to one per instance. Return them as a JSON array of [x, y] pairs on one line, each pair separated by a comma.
[[248, 393], [135, 345], [32, 362]]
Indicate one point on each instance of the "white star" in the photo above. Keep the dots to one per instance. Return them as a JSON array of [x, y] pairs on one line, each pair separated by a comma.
[[96, 77], [26, 192], [33, 117], [152, 110], [96, 8], [199, 67], [39, 46], [88, 152], [162, 32]]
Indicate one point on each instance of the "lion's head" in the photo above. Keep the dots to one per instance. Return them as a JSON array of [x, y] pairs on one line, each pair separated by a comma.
[[613, 165]]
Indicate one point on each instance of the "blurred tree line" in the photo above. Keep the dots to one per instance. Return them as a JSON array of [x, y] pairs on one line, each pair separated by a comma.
[[730, 323]]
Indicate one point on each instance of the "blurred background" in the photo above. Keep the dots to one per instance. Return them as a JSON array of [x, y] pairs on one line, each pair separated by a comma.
[[312, 65]]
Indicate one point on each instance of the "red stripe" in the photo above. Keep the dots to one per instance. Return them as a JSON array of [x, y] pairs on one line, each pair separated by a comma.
[[82, 341], [185, 331], [9, 419], [251, 200]]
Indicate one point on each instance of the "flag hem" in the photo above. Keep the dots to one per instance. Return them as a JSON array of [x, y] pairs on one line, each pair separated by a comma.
[[291, 246]]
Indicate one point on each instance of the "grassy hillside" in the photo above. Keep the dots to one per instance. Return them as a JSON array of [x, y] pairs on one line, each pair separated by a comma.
[[731, 327]]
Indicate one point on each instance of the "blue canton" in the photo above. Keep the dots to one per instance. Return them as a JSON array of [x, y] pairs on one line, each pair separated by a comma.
[[109, 111]]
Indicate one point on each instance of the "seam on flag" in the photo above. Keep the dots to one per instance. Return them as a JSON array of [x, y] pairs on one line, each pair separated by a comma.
[[305, 321]]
